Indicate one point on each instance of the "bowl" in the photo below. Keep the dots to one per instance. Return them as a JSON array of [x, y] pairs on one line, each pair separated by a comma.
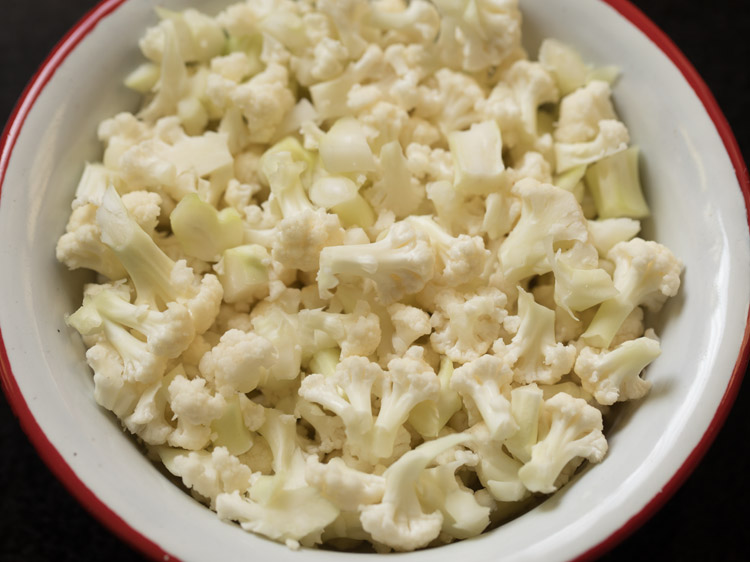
[[698, 190]]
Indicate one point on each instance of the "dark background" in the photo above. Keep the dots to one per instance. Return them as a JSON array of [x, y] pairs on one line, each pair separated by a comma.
[[705, 520]]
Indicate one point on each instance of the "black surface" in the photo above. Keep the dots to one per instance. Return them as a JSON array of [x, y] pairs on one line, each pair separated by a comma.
[[706, 518]]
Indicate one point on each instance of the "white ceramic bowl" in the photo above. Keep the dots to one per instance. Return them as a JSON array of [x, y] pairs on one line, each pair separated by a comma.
[[697, 187]]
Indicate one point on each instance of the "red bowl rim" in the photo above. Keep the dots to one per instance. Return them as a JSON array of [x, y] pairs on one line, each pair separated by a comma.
[[59, 467]]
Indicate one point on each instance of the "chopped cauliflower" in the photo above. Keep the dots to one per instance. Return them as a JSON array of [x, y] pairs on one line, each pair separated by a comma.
[[364, 272]]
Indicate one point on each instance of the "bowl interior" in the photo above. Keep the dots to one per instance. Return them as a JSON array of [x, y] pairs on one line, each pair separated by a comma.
[[698, 211]]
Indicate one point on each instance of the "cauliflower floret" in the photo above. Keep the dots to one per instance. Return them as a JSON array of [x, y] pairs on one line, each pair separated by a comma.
[[532, 86], [396, 190], [347, 488], [455, 97], [144, 207], [497, 471], [400, 264], [208, 474], [325, 60], [356, 377], [239, 362], [431, 416], [118, 134], [533, 352], [277, 321], [300, 238], [383, 122], [264, 100], [486, 383], [465, 325], [399, 520], [429, 164], [525, 406], [157, 279], [439, 488], [330, 431], [613, 376], [235, 66], [456, 212], [646, 273], [549, 214], [357, 333], [409, 381], [484, 39], [108, 315], [194, 407], [582, 111], [418, 22], [81, 245], [283, 507], [572, 429], [410, 323], [613, 137], [459, 258]]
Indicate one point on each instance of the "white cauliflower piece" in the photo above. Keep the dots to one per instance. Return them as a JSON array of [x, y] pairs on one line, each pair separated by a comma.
[[409, 381], [549, 214], [396, 190], [400, 264], [613, 137], [533, 352], [581, 112], [456, 95], [264, 100], [301, 237], [399, 520], [455, 212], [497, 471], [410, 323], [329, 430], [208, 474], [347, 488], [646, 273], [356, 333], [440, 489], [239, 362], [475, 36], [194, 407], [486, 383], [356, 377], [429, 164], [81, 245], [613, 376], [466, 324], [282, 506], [532, 86], [573, 429], [108, 315], [459, 258]]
